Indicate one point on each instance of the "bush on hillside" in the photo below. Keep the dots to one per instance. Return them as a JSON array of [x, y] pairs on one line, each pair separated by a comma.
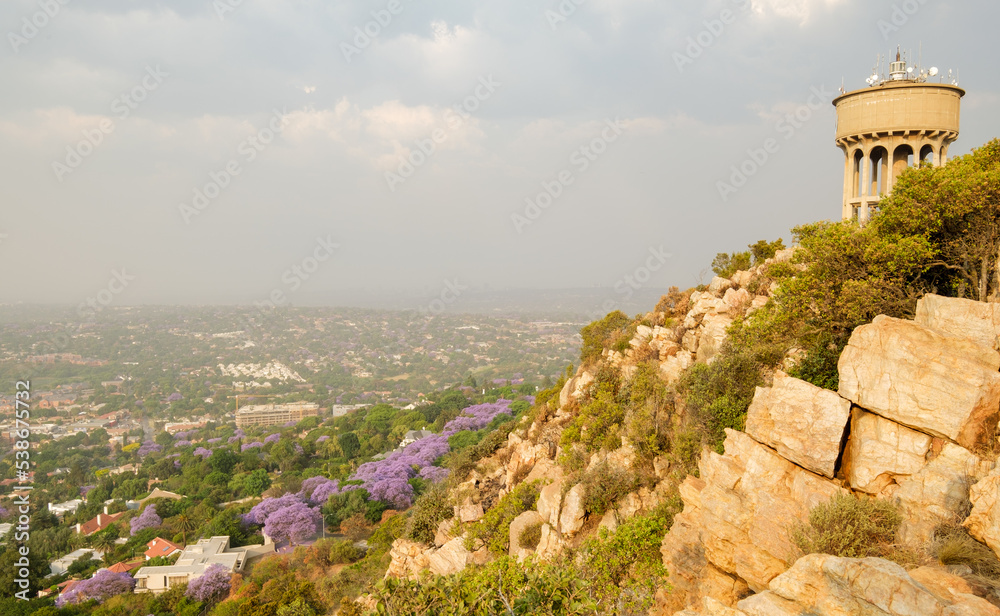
[[850, 527]]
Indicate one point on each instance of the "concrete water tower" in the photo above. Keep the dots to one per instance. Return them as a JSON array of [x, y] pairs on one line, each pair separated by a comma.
[[894, 123]]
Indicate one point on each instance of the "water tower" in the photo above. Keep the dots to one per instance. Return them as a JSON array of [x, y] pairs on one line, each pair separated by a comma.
[[895, 122]]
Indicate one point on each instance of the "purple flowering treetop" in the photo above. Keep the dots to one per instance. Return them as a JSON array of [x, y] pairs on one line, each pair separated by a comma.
[[388, 479], [104, 585], [294, 523], [204, 453], [146, 519], [149, 447], [246, 446], [182, 434], [323, 438], [212, 441], [182, 443], [319, 489], [212, 585], [272, 438], [234, 439], [260, 511]]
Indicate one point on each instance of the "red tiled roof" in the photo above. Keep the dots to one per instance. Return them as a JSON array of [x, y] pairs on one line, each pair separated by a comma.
[[125, 567], [102, 521], [161, 547]]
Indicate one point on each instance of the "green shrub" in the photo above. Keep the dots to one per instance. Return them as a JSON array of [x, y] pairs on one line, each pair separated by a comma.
[[493, 529], [602, 334], [819, 365], [850, 527], [953, 545], [604, 486], [427, 513], [726, 265], [530, 536]]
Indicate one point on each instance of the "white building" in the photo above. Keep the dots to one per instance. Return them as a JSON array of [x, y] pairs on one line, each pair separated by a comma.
[[61, 565], [193, 562], [61, 509]]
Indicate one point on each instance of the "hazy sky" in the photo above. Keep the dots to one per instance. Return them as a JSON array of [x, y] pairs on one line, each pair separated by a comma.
[[394, 145]]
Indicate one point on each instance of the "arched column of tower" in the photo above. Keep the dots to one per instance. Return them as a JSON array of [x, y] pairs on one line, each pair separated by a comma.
[[884, 129]]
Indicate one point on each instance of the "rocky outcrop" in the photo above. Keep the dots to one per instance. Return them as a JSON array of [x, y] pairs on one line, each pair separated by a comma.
[[832, 586], [550, 503], [984, 520], [937, 492], [517, 528], [935, 383], [746, 503], [571, 516], [802, 422], [964, 318], [881, 452]]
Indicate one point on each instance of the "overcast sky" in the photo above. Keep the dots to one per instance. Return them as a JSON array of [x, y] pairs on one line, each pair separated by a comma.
[[404, 159]]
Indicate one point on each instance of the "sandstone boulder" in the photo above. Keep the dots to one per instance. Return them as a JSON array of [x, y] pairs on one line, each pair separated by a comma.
[[517, 527], [749, 498], [965, 318], [450, 558], [469, 512], [571, 516], [719, 285], [934, 494], [932, 382], [984, 521], [575, 388], [674, 366], [832, 586], [880, 451], [550, 545], [444, 532], [550, 502], [802, 422], [736, 299], [713, 334], [407, 559]]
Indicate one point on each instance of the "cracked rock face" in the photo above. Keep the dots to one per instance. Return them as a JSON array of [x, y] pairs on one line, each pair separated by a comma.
[[802, 422], [832, 586], [942, 385]]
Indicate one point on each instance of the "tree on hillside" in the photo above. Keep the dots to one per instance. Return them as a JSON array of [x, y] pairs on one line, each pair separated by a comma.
[[956, 207], [294, 523]]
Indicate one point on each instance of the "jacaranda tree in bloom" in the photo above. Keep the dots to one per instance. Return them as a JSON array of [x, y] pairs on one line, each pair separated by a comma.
[[104, 585], [147, 519], [388, 479], [212, 585], [294, 523]]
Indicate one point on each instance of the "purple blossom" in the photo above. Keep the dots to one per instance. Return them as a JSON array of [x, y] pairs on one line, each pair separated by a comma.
[[246, 446], [319, 489], [211, 585], [147, 519], [204, 453], [147, 448], [104, 585], [260, 511], [233, 439], [239, 433], [182, 435], [182, 443], [177, 464], [174, 397], [323, 439], [272, 438], [3, 512], [298, 449], [388, 479], [289, 424], [294, 523], [212, 441], [85, 489]]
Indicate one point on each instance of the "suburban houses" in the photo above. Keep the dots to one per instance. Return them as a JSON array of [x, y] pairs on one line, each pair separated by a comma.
[[193, 561]]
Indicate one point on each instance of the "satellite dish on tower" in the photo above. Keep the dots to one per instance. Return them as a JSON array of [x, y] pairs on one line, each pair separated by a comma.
[[933, 71]]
